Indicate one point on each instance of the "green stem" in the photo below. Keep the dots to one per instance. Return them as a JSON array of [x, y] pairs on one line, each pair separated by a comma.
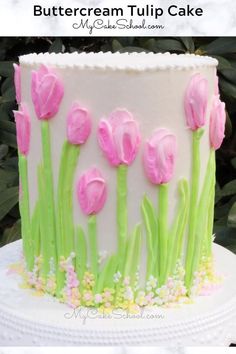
[[92, 234], [100, 284], [176, 229], [193, 203], [81, 255], [65, 222], [182, 225], [211, 211], [35, 230], [163, 229], [68, 218], [25, 212], [122, 214], [49, 190], [202, 211], [43, 221], [151, 223]]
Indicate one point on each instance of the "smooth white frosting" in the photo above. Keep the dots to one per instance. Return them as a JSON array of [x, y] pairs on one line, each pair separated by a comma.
[[120, 61], [155, 98]]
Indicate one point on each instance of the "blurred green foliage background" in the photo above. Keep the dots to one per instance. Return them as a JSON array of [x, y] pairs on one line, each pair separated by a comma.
[[223, 49]]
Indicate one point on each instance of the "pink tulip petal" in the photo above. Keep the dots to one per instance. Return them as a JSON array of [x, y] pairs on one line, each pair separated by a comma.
[[217, 123], [47, 92], [119, 137], [159, 156], [79, 125], [195, 102], [22, 120], [17, 82], [92, 191], [105, 140]]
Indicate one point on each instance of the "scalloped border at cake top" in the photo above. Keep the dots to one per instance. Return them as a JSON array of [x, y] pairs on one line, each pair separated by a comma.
[[119, 61]]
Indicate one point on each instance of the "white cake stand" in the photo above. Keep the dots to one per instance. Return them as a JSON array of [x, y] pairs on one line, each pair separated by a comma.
[[30, 320]]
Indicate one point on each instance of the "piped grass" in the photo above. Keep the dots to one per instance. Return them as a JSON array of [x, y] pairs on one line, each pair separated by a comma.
[[202, 215], [194, 196], [133, 254], [176, 232], [25, 212], [43, 222], [35, 230], [47, 176], [151, 226], [92, 235], [81, 254], [64, 211], [162, 230], [122, 214]]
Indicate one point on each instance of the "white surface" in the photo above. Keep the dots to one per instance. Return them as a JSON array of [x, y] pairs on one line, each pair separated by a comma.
[[16, 19], [129, 61], [92, 350], [29, 320], [155, 98]]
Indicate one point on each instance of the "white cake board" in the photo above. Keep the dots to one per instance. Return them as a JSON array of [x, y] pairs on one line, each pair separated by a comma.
[[40, 321]]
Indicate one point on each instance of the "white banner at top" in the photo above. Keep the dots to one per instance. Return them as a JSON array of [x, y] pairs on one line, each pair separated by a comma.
[[117, 18]]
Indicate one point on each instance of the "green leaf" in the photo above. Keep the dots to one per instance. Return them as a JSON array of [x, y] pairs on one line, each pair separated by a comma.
[[56, 46], [150, 222], [6, 110], [188, 43], [116, 46], [9, 198], [233, 162], [226, 237], [230, 75], [8, 138], [170, 45], [228, 89], [8, 127], [232, 248], [8, 178], [3, 150], [6, 68], [222, 45], [229, 189], [7, 84], [8, 133], [8, 94], [222, 63], [11, 164], [125, 41], [232, 216], [133, 50], [218, 194], [12, 234]]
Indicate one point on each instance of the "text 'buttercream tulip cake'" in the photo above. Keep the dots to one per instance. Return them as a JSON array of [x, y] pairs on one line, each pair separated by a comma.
[[117, 176]]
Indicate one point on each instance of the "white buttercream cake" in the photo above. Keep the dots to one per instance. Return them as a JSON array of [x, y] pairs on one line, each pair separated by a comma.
[[117, 176]]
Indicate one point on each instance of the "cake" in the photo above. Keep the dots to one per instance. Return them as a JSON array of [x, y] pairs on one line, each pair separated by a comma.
[[117, 177]]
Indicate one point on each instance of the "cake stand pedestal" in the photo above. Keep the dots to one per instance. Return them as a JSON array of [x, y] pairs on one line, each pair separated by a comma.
[[30, 320]]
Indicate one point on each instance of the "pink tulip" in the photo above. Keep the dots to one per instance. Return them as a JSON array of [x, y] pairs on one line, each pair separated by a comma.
[[17, 82], [159, 156], [46, 91], [195, 102], [78, 125], [119, 137], [92, 191], [217, 123], [22, 120]]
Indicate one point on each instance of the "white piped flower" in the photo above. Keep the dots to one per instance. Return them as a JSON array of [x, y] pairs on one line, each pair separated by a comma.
[[102, 256], [128, 294], [117, 277]]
